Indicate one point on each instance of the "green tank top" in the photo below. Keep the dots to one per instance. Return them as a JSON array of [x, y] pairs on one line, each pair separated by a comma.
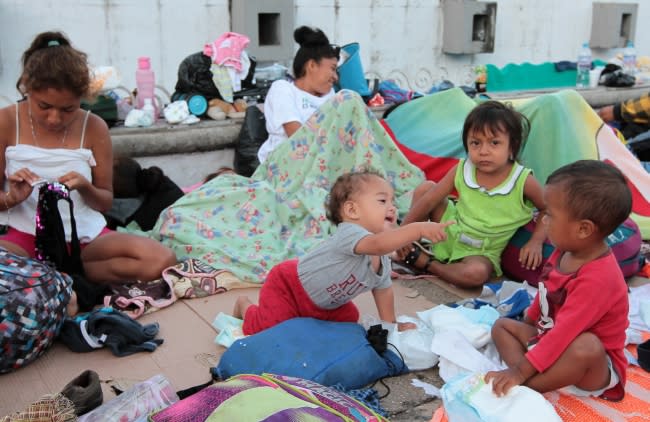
[[497, 213]]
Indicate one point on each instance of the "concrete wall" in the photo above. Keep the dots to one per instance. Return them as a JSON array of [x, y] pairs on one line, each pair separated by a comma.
[[400, 39]]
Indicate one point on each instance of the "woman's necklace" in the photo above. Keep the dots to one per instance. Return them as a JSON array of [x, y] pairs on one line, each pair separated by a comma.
[[31, 124]]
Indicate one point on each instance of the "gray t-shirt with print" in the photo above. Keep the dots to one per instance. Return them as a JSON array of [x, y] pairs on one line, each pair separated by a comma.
[[332, 274]]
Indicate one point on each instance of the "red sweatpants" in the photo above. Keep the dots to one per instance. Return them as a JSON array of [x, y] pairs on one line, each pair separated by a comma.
[[282, 297]]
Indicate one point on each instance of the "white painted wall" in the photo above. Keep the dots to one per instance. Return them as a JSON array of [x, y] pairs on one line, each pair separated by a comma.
[[400, 39]]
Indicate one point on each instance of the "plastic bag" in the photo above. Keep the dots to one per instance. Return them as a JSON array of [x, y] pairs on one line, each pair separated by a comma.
[[138, 118], [414, 345], [176, 112], [251, 137], [143, 398], [468, 398]]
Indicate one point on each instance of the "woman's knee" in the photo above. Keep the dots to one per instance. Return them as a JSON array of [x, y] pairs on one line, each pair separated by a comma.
[[160, 257]]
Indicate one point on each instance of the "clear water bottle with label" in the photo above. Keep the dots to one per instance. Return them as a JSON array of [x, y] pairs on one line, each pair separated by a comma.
[[629, 59], [583, 66]]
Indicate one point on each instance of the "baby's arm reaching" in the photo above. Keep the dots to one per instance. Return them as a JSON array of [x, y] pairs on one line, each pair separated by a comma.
[[385, 301], [388, 241], [530, 255]]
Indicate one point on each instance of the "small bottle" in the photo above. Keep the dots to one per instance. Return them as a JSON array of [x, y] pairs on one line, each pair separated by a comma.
[[583, 66], [629, 59], [149, 109], [145, 81]]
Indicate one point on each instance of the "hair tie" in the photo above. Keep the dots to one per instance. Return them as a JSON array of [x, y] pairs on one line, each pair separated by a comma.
[[53, 43]]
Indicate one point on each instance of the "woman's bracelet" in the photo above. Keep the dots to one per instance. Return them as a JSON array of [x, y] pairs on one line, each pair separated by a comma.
[[7, 195]]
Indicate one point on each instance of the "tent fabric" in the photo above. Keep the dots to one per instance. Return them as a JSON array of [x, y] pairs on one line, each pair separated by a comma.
[[564, 128]]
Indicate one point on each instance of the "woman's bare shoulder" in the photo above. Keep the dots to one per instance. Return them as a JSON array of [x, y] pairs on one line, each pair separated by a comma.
[[7, 123]]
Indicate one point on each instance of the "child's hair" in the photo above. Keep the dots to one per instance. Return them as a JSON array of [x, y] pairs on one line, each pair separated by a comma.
[[130, 180], [594, 191], [345, 186], [494, 116], [314, 45], [52, 62], [219, 172]]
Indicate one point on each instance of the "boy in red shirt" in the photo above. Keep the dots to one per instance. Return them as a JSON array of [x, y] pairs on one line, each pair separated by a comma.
[[574, 332]]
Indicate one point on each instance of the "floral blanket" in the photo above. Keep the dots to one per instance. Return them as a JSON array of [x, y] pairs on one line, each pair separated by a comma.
[[247, 225]]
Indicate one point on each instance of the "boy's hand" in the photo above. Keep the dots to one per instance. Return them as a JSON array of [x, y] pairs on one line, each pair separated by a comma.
[[530, 255], [435, 232], [404, 326], [503, 381]]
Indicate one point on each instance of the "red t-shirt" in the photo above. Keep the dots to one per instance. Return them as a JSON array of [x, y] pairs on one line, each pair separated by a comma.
[[593, 299]]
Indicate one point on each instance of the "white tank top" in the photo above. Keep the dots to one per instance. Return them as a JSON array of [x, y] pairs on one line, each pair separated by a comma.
[[51, 164]]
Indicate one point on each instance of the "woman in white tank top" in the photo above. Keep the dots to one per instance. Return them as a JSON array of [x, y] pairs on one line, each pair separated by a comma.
[[49, 137]]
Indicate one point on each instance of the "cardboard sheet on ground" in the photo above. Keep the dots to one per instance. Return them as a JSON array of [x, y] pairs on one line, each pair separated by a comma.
[[185, 358]]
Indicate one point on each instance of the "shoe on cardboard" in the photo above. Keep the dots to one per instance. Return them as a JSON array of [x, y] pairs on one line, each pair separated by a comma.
[[85, 392]]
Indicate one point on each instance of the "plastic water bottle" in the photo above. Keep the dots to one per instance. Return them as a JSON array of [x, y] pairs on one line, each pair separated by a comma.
[[629, 59], [149, 109], [583, 66], [145, 81]]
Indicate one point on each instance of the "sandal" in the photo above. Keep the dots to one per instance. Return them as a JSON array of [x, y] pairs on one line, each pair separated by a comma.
[[412, 258]]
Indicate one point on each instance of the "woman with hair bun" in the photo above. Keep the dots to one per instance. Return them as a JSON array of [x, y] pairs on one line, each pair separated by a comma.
[[47, 136], [289, 104]]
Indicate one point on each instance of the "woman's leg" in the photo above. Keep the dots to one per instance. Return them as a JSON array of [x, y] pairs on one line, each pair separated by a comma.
[[13, 248], [121, 257]]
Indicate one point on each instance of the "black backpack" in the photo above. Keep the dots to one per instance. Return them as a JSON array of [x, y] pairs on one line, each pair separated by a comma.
[[52, 248], [195, 77]]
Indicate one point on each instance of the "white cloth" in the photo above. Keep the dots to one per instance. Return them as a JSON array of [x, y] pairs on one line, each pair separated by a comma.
[[286, 103], [639, 313], [474, 324], [51, 164], [414, 345]]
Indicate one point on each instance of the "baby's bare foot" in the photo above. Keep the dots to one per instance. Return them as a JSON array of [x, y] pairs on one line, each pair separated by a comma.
[[73, 307]]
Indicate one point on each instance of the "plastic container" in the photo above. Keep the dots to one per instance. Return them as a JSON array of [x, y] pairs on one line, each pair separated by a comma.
[[145, 81], [351, 75], [149, 108], [583, 66], [197, 104], [629, 59]]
